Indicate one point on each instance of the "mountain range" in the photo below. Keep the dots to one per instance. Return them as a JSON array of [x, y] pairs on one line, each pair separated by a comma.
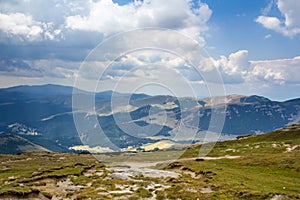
[[41, 118]]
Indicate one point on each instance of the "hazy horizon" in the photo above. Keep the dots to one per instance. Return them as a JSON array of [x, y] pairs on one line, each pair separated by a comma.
[[152, 94]]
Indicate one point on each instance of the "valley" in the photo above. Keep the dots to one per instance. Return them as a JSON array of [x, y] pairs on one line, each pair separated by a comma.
[[46, 119]]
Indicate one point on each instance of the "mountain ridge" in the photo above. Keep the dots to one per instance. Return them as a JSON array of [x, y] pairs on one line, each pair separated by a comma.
[[63, 89], [51, 115]]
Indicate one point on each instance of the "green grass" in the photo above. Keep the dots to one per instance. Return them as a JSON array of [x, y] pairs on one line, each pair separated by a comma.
[[19, 170], [265, 167], [263, 170]]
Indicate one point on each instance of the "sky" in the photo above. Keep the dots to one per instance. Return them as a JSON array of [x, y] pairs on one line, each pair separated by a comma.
[[252, 45]]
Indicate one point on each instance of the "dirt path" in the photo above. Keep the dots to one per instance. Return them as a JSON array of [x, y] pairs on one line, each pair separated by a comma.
[[153, 164]]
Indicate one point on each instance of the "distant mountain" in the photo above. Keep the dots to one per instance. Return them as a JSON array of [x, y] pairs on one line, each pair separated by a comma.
[[40, 90], [47, 111], [51, 90], [13, 144]]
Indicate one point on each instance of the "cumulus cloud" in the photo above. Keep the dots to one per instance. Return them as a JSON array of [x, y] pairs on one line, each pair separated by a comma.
[[25, 20], [282, 71], [237, 71], [71, 28], [235, 67], [290, 25], [145, 64], [26, 28], [107, 17], [21, 25]]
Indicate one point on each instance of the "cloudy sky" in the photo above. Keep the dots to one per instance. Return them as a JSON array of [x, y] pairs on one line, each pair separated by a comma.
[[253, 44]]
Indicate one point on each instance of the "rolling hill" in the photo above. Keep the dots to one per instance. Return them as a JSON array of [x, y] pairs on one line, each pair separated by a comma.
[[13, 144]]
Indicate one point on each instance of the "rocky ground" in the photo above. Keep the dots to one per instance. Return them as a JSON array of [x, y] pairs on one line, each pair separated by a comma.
[[57, 176], [257, 167]]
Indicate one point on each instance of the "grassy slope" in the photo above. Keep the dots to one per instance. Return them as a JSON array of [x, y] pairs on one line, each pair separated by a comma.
[[265, 169]]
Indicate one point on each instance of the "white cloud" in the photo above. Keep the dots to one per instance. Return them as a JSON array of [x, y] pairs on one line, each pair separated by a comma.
[[291, 11], [107, 17], [70, 29], [26, 28], [237, 62], [240, 74], [270, 22], [20, 25], [237, 68], [282, 71], [290, 26], [152, 66], [234, 68], [268, 36]]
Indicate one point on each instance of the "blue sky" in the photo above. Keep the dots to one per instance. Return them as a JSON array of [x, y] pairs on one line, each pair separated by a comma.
[[234, 27], [254, 44]]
